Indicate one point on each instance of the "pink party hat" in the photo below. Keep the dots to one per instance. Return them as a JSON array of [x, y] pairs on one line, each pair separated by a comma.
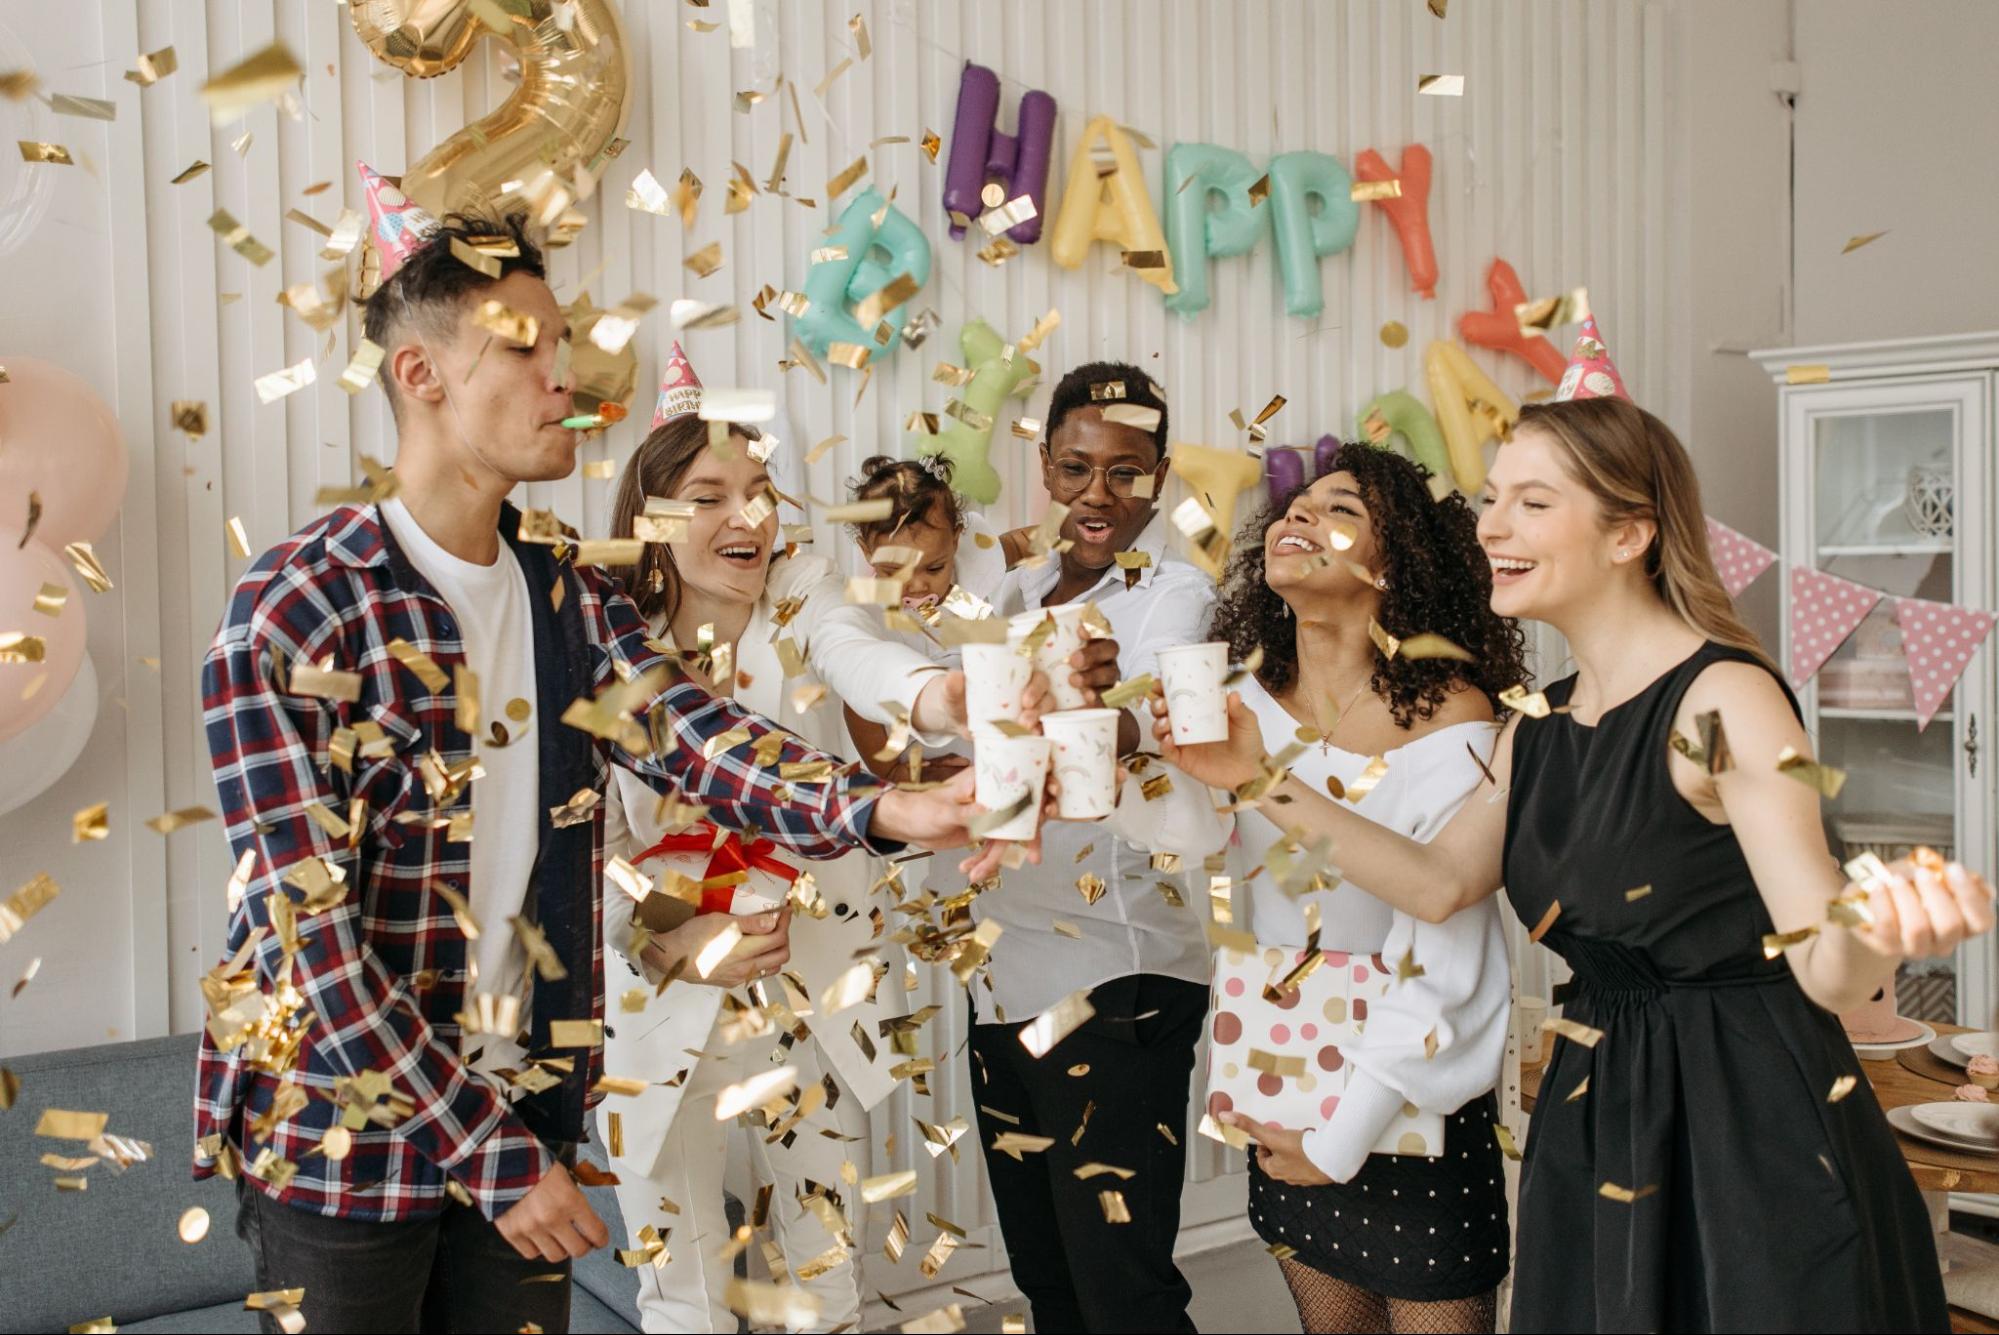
[[679, 389], [400, 227], [1591, 374]]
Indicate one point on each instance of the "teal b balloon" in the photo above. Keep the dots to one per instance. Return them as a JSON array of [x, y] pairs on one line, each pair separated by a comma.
[[1196, 232], [1296, 179], [834, 287]]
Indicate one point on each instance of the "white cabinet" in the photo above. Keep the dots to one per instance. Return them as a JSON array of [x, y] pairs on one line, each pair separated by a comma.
[[1887, 480]]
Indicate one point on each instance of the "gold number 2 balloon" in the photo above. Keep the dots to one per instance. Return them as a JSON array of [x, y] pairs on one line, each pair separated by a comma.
[[568, 109]]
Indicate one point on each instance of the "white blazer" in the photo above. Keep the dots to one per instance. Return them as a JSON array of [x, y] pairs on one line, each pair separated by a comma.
[[655, 1044]]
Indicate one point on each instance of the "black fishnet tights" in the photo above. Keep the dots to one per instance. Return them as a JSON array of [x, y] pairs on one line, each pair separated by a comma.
[[1332, 1305]]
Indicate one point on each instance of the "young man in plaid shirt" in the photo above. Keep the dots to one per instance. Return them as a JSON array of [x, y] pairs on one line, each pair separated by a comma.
[[407, 1030]]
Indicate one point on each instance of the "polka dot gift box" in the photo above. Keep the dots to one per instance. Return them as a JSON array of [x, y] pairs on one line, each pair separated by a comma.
[[1284, 1061]]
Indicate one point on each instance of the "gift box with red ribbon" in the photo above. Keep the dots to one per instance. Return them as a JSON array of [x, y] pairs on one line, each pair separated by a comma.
[[736, 875]]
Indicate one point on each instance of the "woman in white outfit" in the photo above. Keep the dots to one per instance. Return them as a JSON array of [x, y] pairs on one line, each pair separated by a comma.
[[667, 1145], [1380, 1241]]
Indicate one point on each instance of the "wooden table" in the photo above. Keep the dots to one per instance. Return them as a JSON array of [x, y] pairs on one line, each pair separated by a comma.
[[1895, 1085]]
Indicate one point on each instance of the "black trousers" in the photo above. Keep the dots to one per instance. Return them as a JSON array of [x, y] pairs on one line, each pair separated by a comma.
[[450, 1273], [1080, 1271]]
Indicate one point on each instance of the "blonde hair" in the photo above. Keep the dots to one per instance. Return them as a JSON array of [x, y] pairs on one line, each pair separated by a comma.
[[1637, 469]]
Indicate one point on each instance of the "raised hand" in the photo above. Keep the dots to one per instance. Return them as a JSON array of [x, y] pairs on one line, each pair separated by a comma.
[[1226, 764], [1926, 906]]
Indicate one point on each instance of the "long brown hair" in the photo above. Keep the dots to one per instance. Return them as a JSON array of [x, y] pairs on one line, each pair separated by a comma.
[[1637, 469], [655, 469]]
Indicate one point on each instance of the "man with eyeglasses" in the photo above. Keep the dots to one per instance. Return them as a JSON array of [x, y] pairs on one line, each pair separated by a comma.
[[1095, 916]]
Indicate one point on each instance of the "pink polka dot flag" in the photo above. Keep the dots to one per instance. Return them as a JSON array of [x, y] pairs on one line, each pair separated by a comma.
[[1938, 639], [1824, 611], [1737, 559]]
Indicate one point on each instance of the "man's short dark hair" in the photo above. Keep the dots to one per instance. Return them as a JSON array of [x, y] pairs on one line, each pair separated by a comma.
[[1077, 390], [431, 288]]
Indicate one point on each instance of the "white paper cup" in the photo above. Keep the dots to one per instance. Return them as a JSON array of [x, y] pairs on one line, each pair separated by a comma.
[[996, 677], [1191, 676], [1005, 770], [1085, 761], [1053, 655]]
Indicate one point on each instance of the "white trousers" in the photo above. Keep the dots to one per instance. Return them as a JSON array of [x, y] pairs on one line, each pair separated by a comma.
[[686, 1294]]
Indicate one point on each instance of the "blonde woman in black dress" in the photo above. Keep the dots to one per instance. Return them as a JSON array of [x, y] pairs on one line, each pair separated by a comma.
[[1716, 1160]]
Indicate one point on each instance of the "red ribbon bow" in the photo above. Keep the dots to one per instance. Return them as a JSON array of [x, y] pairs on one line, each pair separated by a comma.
[[730, 856]]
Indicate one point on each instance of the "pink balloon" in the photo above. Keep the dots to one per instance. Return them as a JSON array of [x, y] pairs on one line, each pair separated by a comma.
[[60, 441], [30, 690]]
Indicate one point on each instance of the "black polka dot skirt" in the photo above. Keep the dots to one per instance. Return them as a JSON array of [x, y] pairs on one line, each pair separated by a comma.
[[1408, 1227]]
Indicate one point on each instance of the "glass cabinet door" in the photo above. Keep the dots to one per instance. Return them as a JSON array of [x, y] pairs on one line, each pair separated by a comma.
[[1878, 475]]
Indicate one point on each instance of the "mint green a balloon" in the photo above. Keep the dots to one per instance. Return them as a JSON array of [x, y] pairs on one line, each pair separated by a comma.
[[994, 380], [1408, 418]]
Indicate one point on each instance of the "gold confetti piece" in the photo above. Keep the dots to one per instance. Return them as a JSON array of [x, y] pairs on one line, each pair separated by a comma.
[[1364, 782], [706, 260], [845, 177], [1534, 704], [239, 541], [1610, 1191], [50, 598], [1056, 1023], [279, 384], [930, 143], [417, 661], [176, 820], [1574, 1031], [1505, 1139], [1547, 313], [91, 823], [53, 154], [1776, 943], [1430, 645], [25, 903], [647, 195], [1271, 1063], [97, 109], [193, 1226], [547, 964], [188, 173], [889, 1186], [20, 647], [832, 76], [575, 1033], [15, 85], [1114, 1207], [1133, 415], [1547, 921], [325, 682], [154, 66], [1633, 896], [1367, 192], [1441, 85], [858, 25], [189, 416], [1809, 373], [1854, 243], [503, 321], [237, 237], [260, 78], [1827, 779], [1394, 334], [1090, 886], [362, 367], [60, 1124]]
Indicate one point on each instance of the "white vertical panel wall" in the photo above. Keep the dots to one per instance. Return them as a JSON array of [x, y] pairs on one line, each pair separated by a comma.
[[1555, 158]]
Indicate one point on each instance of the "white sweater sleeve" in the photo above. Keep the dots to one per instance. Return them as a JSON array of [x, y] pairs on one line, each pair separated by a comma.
[[844, 645]]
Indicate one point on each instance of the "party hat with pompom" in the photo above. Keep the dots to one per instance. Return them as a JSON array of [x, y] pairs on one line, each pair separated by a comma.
[[399, 226], [679, 389], [1590, 374]]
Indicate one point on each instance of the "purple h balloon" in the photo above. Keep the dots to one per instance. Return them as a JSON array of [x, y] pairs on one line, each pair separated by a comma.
[[980, 153]]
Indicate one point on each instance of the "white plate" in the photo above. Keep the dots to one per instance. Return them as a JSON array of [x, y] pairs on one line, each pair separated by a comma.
[[1975, 1122], [1903, 1120], [1975, 1045], [1878, 1052], [1948, 1055]]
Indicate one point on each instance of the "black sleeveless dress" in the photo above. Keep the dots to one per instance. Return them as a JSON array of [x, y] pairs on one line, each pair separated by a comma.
[[1760, 1205]]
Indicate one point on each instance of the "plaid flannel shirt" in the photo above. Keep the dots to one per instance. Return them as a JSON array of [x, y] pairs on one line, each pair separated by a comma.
[[382, 973]]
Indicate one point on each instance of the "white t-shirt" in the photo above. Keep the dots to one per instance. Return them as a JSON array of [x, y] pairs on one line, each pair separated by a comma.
[[496, 626]]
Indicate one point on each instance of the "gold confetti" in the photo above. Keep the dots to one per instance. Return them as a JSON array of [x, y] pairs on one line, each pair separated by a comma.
[[362, 367], [1633, 896], [25, 903], [1505, 1139], [237, 237], [154, 66], [1776, 943], [1090, 886], [279, 384], [575, 1033], [930, 143], [1610, 1191], [1394, 334], [503, 321], [1534, 704], [177, 820], [845, 177], [193, 1226], [325, 682], [1547, 313], [1573, 1030], [1826, 778], [61, 1124], [858, 25], [1114, 1207], [1547, 921], [1430, 645], [832, 76], [262, 77], [1056, 1023], [1807, 373], [1368, 192], [1582, 1087], [889, 1186], [53, 154], [1855, 243], [89, 108], [1441, 85]]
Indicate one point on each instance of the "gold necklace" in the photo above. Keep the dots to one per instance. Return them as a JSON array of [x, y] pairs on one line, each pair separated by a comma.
[[1326, 742]]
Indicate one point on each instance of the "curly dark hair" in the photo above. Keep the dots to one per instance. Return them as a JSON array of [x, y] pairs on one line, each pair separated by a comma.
[[1438, 581]]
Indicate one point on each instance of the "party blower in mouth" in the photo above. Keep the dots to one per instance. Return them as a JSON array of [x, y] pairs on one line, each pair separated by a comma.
[[605, 415]]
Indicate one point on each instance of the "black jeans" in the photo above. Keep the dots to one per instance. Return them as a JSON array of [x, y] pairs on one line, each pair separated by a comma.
[[453, 1272], [1079, 1271]]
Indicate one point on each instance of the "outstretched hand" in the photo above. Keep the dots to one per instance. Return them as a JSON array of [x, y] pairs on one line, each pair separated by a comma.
[[940, 818], [1226, 764], [1926, 906]]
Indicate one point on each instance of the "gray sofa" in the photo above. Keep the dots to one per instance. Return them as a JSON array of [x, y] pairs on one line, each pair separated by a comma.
[[114, 1250]]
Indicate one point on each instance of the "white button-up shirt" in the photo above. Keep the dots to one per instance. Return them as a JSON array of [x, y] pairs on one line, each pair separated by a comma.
[[1132, 928]]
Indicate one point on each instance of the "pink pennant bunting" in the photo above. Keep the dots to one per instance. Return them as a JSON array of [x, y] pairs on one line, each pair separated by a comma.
[[1738, 559], [1824, 611], [1938, 639]]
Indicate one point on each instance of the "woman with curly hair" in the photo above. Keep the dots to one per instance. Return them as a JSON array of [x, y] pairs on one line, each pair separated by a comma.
[[1379, 1241]]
